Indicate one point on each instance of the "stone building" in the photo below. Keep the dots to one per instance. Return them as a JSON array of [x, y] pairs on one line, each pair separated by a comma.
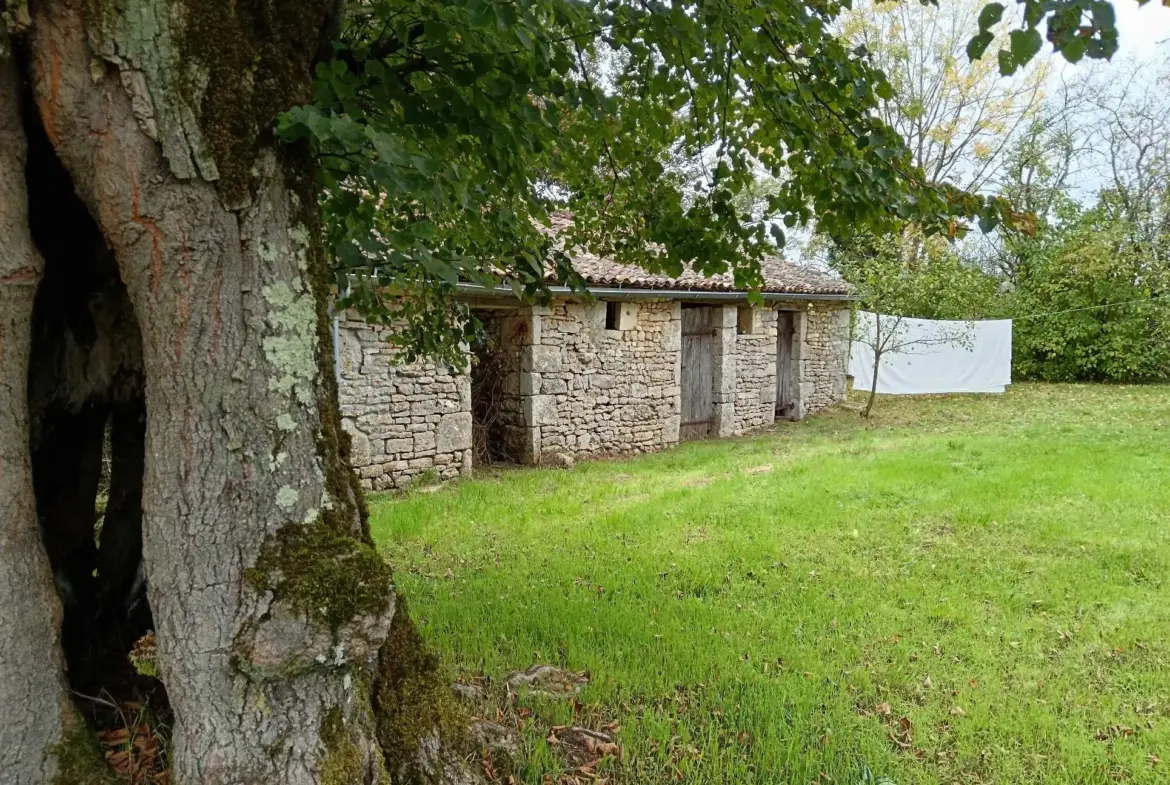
[[648, 362]]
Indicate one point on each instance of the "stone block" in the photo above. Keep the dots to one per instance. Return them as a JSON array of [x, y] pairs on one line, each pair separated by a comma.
[[350, 350], [726, 317], [359, 443], [529, 383], [426, 406], [424, 441], [463, 386], [725, 378], [672, 337], [554, 386], [670, 428], [724, 419], [603, 381], [540, 410], [542, 359], [453, 433], [530, 445]]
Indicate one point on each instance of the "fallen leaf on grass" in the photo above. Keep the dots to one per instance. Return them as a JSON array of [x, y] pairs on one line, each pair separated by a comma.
[[489, 768], [883, 709], [902, 734], [957, 711]]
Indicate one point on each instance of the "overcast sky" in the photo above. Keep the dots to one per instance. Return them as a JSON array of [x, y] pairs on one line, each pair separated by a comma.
[[1143, 32], [1143, 27]]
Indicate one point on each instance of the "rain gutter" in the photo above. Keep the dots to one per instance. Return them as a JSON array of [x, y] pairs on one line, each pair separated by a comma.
[[623, 293]]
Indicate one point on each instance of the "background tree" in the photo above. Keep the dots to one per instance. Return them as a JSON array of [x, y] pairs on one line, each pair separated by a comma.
[[932, 283], [164, 270], [963, 122], [1086, 286], [959, 117]]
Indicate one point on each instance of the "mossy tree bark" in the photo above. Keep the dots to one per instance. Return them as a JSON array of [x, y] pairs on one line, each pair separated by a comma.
[[270, 605]]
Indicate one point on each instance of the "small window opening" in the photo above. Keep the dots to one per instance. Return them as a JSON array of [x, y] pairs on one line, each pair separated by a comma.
[[745, 321], [613, 313]]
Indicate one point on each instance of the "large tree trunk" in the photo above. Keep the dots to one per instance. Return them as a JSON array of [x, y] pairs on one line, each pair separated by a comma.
[[32, 692], [248, 517], [270, 606]]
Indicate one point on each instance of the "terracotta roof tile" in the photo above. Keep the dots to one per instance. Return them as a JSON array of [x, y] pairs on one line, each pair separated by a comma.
[[780, 277]]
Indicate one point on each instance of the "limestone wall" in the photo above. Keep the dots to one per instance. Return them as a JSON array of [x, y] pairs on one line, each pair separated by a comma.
[[570, 386], [755, 368], [594, 391], [403, 419]]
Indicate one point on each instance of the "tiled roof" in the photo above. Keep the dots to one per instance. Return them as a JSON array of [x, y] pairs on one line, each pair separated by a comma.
[[780, 277]]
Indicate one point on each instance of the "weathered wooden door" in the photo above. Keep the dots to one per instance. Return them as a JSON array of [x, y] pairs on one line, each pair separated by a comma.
[[785, 376], [698, 360]]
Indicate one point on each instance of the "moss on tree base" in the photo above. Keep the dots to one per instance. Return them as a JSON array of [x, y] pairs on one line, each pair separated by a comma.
[[414, 706], [332, 577], [80, 760]]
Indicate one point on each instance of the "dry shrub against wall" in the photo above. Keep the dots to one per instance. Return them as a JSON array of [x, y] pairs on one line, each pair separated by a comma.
[[487, 396]]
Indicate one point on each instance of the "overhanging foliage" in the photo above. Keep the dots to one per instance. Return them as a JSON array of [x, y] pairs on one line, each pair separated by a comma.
[[447, 131]]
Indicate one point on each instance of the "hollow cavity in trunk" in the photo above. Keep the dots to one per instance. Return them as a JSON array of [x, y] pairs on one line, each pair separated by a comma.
[[86, 439]]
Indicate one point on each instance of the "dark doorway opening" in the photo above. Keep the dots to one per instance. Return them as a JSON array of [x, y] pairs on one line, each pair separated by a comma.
[[497, 413], [786, 377]]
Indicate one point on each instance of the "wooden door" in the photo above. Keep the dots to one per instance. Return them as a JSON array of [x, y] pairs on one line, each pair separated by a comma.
[[698, 360], [785, 376]]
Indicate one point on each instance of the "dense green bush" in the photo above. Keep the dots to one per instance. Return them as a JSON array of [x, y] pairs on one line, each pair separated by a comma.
[[1068, 275]]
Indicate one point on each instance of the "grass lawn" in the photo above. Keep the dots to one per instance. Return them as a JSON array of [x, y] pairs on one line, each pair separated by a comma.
[[967, 589]]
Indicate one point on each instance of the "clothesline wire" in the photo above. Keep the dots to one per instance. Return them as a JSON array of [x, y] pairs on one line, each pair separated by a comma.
[[1086, 308], [1057, 313]]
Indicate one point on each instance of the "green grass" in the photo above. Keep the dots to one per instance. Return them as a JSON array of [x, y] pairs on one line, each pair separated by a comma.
[[745, 606]]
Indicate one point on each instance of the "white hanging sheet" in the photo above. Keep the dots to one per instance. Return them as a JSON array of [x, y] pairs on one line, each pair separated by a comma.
[[938, 356]]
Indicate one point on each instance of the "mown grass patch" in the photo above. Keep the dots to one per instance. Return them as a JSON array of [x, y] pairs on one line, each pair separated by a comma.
[[967, 589]]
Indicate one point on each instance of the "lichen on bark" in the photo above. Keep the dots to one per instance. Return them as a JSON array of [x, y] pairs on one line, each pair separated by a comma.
[[208, 78], [143, 39], [342, 762], [347, 512], [290, 345]]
